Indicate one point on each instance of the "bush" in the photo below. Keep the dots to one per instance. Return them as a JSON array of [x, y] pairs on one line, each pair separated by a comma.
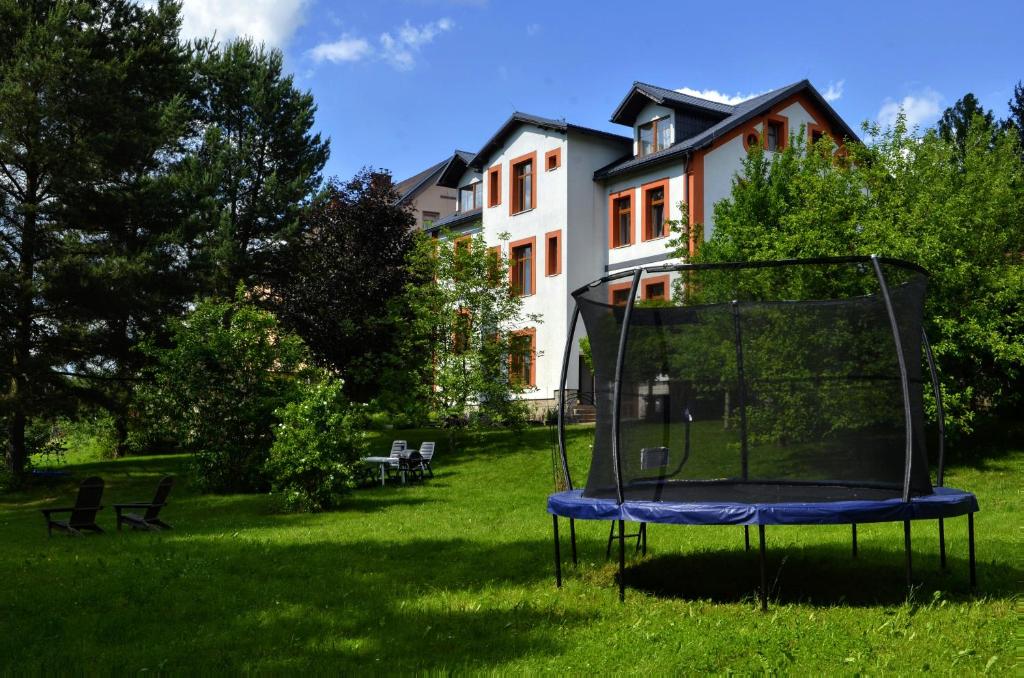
[[216, 389], [316, 447]]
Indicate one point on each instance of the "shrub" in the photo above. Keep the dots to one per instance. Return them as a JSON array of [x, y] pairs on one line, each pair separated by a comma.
[[216, 389], [316, 447]]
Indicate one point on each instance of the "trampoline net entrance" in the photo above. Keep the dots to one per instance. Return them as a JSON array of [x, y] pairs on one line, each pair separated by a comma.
[[758, 382]]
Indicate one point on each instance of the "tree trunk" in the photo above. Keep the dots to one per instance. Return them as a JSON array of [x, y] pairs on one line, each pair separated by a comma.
[[16, 452]]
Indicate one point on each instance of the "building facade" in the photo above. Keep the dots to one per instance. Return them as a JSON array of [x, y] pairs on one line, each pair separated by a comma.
[[580, 203]]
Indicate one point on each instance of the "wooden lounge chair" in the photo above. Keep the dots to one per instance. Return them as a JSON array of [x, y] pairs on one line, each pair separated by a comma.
[[150, 520], [83, 513]]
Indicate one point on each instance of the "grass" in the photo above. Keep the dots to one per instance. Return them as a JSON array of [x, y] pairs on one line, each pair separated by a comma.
[[456, 574]]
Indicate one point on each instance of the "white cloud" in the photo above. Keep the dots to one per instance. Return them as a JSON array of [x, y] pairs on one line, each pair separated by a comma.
[[834, 90], [715, 95], [345, 48], [273, 22], [919, 108], [399, 47]]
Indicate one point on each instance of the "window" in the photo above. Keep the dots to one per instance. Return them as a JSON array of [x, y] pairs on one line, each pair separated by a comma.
[[553, 160], [751, 139], [521, 270], [655, 135], [494, 186], [462, 244], [429, 218], [618, 294], [776, 130], [655, 196], [656, 288], [471, 197], [553, 253], [815, 133], [522, 184], [521, 359], [620, 219]]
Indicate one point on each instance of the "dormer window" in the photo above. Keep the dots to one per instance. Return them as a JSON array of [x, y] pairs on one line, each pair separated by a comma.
[[655, 135], [471, 197]]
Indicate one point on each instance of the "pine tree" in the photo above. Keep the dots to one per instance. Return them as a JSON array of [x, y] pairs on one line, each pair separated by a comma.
[[1016, 119], [256, 165], [86, 93]]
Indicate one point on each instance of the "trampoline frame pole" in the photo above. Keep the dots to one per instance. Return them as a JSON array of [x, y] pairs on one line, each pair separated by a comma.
[[942, 544], [620, 360], [764, 570], [743, 387], [572, 539], [940, 412], [558, 554], [907, 410], [906, 547], [853, 531], [746, 537], [561, 409], [622, 561], [970, 549]]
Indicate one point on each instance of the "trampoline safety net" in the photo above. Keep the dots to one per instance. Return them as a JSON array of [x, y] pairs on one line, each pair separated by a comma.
[[761, 382]]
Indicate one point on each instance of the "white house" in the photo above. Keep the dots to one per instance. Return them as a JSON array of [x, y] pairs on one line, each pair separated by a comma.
[[580, 203]]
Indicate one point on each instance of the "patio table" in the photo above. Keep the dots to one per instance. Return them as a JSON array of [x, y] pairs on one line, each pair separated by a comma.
[[383, 462]]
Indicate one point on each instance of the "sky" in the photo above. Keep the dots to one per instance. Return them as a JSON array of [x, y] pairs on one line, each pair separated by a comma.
[[400, 84]]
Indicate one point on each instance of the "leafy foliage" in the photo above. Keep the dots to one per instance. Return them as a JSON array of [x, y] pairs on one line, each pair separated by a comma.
[[217, 387], [961, 217], [316, 447], [336, 281], [456, 351]]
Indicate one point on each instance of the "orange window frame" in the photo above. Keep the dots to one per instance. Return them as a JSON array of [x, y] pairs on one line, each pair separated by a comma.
[[553, 265], [532, 242], [555, 154], [655, 280], [512, 183], [747, 133], [783, 122], [618, 287], [494, 186], [613, 223], [530, 332], [646, 228]]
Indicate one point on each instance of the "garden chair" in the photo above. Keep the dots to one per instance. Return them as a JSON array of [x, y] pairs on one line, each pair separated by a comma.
[[426, 456], [150, 520], [398, 452], [83, 513]]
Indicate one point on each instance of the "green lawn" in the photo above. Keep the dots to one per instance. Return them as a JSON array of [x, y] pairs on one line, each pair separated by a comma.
[[456, 574]]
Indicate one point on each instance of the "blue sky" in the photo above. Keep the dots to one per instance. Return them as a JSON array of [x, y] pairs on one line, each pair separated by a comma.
[[402, 83]]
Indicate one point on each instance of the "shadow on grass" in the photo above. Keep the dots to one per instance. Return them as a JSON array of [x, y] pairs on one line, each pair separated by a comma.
[[823, 575]]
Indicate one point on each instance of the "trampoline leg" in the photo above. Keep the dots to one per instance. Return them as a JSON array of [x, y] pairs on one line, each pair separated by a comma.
[[853, 527], [942, 544], [558, 555], [643, 534], [572, 538], [611, 536], [764, 571], [906, 546], [970, 549], [746, 537], [622, 561]]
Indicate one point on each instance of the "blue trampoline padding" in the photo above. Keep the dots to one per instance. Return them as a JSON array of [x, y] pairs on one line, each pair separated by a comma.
[[946, 502]]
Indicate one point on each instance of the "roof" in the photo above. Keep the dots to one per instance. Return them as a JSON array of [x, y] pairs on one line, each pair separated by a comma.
[[643, 93], [410, 188], [518, 119], [456, 219], [740, 114], [454, 169]]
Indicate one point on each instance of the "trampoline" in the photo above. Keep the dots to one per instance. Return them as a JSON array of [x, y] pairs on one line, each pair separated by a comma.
[[760, 393]]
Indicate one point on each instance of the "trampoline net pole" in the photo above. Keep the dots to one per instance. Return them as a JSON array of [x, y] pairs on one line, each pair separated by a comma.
[[940, 413], [561, 396], [742, 388], [617, 386], [908, 417]]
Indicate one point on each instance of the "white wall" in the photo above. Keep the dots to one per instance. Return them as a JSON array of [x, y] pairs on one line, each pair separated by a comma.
[[550, 213], [675, 173]]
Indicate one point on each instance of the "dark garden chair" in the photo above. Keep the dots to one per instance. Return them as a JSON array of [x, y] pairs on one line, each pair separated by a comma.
[[83, 513], [150, 520]]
